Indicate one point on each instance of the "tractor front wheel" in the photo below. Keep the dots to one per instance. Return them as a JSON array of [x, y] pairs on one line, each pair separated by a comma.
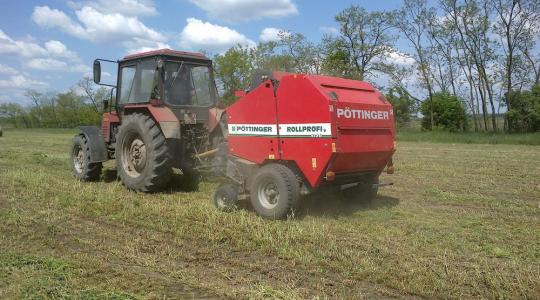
[[274, 191], [142, 157], [81, 166]]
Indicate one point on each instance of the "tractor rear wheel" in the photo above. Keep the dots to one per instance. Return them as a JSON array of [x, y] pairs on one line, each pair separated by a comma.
[[82, 168], [274, 191], [142, 157]]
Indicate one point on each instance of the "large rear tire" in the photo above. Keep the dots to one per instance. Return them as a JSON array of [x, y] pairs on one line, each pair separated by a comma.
[[274, 191], [81, 166], [143, 159]]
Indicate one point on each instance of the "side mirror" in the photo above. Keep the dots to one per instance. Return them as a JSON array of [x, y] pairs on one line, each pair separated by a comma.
[[105, 105], [97, 71]]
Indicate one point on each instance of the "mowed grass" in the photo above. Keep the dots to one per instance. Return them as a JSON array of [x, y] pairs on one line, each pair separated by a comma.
[[461, 221]]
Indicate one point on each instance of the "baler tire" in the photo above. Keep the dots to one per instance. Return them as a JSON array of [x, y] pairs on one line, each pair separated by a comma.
[[82, 168], [226, 197], [288, 188], [156, 171]]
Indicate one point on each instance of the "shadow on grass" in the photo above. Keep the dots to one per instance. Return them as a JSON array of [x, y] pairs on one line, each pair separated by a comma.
[[178, 181], [183, 183], [334, 205], [109, 175]]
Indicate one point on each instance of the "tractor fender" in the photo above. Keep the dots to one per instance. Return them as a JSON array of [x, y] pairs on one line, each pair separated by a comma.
[[98, 148]]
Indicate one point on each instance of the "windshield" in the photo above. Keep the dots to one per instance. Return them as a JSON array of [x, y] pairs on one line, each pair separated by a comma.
[[187, 84]]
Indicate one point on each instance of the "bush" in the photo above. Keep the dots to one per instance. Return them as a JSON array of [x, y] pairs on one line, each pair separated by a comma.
[[524, 113], [448, 113], [402, 104]]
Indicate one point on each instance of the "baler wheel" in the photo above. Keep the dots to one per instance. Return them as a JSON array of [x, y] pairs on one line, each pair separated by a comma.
[[274, 191], [82, 168], [226, 197], [142, 156]]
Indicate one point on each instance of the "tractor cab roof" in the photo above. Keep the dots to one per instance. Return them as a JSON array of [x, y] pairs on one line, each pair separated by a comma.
[[183, 55]]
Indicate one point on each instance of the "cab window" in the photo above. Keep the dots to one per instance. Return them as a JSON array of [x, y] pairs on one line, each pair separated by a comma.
[[139, 83]]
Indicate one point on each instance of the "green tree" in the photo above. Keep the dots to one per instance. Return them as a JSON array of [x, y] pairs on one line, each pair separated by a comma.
[[93, 93], [232, 70], [73, 111], [448, 113], [364, 37], [524, 113], [15, 114], [402, 104], [305, 55], [337, 60], [412, 21]]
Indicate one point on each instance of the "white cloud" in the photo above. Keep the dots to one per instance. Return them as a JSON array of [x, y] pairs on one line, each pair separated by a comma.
[[20, 81], [214, 38], [245, 10], [51, 64], [57, 49], [97, 26], [7, 45], [143, 46], [329, 30], [400, 58], [7, 70], [23, 48], [53, 56], [270, 34], [45, 64], [124, 7], [51, 18], [108, 27]]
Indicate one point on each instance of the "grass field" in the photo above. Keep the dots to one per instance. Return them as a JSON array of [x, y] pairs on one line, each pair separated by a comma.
[[461, 221], [469, 137]]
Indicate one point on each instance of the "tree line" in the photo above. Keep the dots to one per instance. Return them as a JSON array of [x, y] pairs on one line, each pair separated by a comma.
[[474, 58], [81, 105], [460, 64]]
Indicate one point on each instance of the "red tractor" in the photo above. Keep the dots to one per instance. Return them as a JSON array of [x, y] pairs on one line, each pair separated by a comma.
[[290, 135]]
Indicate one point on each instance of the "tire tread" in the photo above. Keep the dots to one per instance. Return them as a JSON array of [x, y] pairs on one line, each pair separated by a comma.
[[160, 174]]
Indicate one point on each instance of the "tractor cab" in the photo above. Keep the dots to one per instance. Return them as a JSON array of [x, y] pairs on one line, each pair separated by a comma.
[[182, 81]]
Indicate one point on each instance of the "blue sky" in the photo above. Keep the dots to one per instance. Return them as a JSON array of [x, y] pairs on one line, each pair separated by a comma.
[[50, 45]]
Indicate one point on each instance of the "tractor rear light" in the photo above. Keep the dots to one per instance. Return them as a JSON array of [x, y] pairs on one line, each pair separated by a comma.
[[330, 176]]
